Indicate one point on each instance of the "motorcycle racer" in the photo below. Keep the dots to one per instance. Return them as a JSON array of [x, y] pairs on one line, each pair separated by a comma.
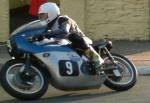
[[62, 26]]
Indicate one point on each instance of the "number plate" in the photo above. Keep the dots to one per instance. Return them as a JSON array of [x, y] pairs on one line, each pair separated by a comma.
[[68, 68]]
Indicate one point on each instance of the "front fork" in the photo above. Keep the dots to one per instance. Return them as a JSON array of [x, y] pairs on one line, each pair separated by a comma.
[[27, 63], [27, 71], [106, 51], [109, 55], [115, 71]]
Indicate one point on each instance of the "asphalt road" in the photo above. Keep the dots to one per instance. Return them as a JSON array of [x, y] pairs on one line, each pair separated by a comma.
[[140, 93]]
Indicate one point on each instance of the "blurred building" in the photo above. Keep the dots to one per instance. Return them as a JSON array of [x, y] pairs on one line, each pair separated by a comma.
[[114, 19]]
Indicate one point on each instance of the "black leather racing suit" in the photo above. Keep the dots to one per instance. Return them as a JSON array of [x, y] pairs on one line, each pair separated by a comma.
[[65, 27]]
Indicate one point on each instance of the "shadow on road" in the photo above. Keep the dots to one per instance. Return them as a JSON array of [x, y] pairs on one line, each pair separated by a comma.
[[64, 98]]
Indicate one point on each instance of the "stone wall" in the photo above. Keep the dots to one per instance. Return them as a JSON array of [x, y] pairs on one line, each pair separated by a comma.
[[119, 19], [115, 19], [4, 20], [74, 9]]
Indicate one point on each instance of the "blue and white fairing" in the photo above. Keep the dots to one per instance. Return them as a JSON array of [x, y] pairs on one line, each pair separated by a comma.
[[29, 26], [66, 67]]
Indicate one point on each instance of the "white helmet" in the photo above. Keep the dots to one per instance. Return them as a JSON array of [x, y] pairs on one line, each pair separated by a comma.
[[51, 9]]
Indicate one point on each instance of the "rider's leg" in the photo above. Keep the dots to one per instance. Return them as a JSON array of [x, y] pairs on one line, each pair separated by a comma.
[[90, 53], [94, 57]]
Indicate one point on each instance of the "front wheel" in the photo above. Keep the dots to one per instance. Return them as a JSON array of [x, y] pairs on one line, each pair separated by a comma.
[[122, 76], [23, 88]]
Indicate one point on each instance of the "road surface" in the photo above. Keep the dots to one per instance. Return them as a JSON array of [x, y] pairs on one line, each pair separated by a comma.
[[140, 93]]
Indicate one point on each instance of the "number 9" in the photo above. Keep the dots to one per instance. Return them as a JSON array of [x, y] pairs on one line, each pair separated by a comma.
[[69, 68]]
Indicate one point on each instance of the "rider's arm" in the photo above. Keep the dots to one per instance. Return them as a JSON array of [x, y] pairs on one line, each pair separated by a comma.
[[63, 31]]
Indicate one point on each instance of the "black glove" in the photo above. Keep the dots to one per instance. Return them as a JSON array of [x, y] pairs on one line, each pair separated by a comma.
[[39, 37], [48, 34], [36, 37]]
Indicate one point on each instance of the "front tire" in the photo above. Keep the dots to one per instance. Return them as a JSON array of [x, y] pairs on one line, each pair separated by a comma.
[[114, 82], [16, 88]]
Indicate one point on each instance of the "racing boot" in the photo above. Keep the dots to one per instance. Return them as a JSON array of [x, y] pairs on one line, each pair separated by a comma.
[[95, 61]]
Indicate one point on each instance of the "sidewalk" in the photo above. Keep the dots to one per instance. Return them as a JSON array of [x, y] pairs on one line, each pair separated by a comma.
[[139, 57]]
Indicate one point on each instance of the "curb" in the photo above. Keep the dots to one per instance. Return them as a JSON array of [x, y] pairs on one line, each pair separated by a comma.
[[144, 70]]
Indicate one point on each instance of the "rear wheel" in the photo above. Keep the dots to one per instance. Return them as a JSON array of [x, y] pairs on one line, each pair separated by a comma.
[[122, 76], [23, 88]]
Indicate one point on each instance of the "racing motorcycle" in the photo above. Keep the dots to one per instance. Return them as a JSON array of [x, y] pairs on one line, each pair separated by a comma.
[[34, 65]]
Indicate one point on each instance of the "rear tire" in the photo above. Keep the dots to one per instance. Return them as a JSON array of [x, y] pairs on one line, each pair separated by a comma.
[[128, 85], [9, 85]]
